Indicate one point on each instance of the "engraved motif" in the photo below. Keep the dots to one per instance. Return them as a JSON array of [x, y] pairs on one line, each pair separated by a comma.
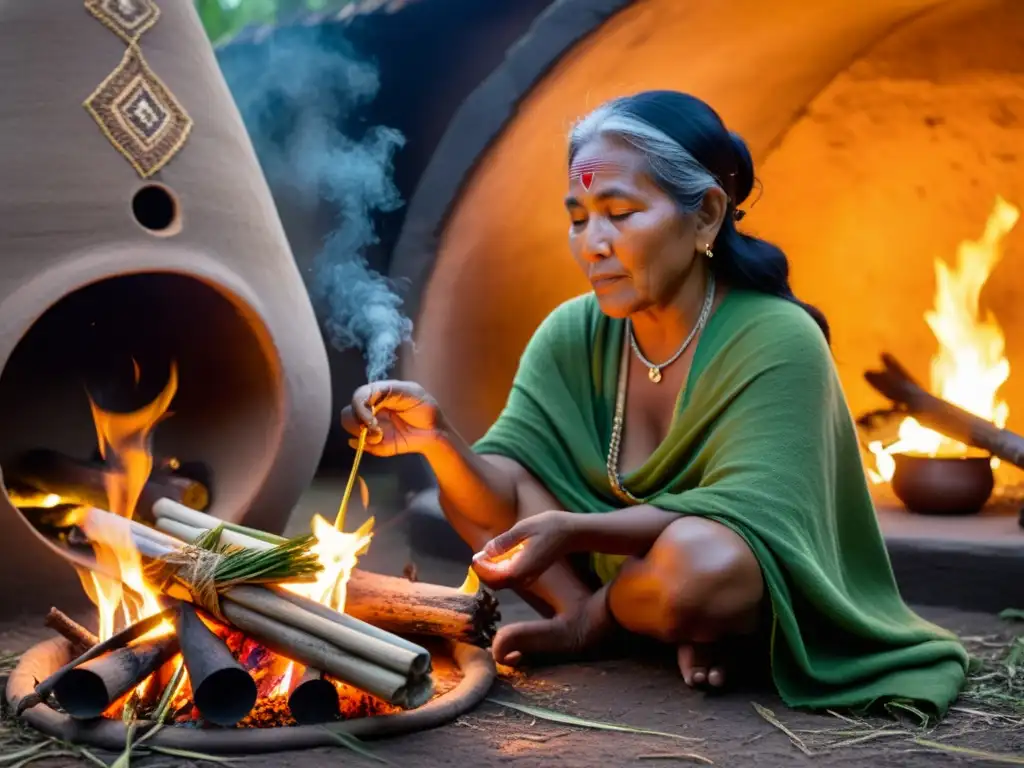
[[139, 115], [128, 19]]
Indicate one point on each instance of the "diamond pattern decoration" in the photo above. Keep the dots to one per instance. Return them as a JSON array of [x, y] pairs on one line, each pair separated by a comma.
[[139, 115], [128, 19]]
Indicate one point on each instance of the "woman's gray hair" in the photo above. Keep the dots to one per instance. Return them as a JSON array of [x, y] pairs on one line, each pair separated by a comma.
[[671, 165]]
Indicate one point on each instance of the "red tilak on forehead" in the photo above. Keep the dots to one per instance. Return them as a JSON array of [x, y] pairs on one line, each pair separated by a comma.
[[587, 169]]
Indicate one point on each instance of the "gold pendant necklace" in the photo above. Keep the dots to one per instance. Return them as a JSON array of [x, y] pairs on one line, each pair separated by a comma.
[[654, 369]]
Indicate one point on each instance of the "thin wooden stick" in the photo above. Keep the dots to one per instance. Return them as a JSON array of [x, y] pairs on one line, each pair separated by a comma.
[[81, 638], [339, 520]]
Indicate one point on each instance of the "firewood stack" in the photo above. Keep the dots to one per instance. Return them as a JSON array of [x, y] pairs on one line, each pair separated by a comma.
[[362, 651]]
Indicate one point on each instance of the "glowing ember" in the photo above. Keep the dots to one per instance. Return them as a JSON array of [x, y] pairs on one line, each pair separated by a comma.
[[970, 365]]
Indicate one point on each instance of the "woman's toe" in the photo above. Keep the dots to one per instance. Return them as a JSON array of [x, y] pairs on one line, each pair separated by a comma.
[[695, 664], [716, 677]]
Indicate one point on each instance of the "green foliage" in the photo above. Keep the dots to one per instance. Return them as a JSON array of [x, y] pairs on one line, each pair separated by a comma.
[[292, 560], [223, 19]]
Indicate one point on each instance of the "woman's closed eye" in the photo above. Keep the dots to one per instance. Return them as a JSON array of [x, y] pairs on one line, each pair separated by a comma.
[[578, 222]]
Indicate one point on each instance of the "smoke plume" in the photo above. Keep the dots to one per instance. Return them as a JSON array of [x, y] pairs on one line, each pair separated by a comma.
[[300, 98]]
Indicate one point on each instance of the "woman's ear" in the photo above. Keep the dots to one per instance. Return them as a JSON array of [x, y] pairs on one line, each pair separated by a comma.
[[713, 210]]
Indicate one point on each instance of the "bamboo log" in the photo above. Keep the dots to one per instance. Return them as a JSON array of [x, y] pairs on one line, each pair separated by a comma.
[[315, 652], [271, 627], [189, 534], [162, 539], [86, 691], [85, 482], [81, 638], [387, 602], [390, 603], [125, 636], [222, 690], [896, 383], [381, 653], [170, 509], [348, 621], [313, 699]]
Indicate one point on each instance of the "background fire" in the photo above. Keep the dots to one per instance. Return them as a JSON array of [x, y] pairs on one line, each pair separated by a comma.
[[971, 364]]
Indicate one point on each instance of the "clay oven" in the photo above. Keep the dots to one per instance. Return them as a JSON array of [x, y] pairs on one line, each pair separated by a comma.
[[138, 233], [884, 133]]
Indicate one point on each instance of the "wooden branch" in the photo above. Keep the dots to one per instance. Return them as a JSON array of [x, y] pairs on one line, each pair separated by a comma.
[[85, 482], [418, 608], [81, 639], [896, 383]]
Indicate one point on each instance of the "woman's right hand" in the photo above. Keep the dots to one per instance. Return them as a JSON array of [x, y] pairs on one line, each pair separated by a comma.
[[401, 417]]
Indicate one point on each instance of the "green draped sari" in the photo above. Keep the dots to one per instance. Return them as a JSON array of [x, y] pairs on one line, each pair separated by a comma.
[[763, 443]]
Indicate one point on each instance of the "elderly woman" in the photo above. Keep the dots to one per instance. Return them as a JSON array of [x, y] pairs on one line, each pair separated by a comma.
[[682, 427]]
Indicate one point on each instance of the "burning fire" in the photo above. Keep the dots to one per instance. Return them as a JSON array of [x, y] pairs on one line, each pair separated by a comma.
[[124, 440], [117, 587], [970, 365], [338, 553]]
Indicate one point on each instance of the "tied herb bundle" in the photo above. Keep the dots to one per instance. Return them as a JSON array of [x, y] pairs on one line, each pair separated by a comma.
[[239, 586], [206, 568]]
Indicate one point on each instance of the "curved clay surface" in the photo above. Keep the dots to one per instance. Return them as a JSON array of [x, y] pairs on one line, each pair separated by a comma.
[[217, 289], [870, 171], [69, 223], [42, 660]]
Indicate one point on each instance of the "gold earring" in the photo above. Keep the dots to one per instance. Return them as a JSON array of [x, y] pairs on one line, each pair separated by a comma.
[[708, 252]]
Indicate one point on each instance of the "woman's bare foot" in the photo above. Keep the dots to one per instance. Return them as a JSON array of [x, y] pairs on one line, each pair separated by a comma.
[[562, 635], [700, 665]]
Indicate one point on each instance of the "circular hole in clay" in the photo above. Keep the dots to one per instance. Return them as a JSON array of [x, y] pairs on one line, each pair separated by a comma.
[[156, 209]]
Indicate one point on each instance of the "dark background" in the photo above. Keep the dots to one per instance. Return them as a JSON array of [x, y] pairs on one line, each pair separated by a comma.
[[431, 54]]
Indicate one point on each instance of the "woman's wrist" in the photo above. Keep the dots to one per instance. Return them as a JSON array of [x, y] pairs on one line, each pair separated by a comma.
[[582, 531], [440, 446]]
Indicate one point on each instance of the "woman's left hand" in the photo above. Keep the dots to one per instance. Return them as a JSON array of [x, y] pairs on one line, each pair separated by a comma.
[[525, 550]]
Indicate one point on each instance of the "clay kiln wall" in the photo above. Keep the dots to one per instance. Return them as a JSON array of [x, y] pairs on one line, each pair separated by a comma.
[[870, 170]]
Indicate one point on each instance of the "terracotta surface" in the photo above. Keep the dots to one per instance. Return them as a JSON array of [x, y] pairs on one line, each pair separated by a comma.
[[894, 164], [882, 132], [221, 297]]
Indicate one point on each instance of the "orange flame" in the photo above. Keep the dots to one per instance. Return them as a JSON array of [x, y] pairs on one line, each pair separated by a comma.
[[971, 364], [124, 443], [338, 553], [124, 440]]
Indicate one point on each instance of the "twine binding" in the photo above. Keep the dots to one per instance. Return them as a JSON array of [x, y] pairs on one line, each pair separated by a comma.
[[196, 569]]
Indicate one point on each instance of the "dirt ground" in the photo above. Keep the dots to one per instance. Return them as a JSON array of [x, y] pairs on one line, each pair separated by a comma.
[[726, 729]]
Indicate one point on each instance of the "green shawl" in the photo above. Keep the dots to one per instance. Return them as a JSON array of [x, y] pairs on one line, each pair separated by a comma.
[[763, 443]]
